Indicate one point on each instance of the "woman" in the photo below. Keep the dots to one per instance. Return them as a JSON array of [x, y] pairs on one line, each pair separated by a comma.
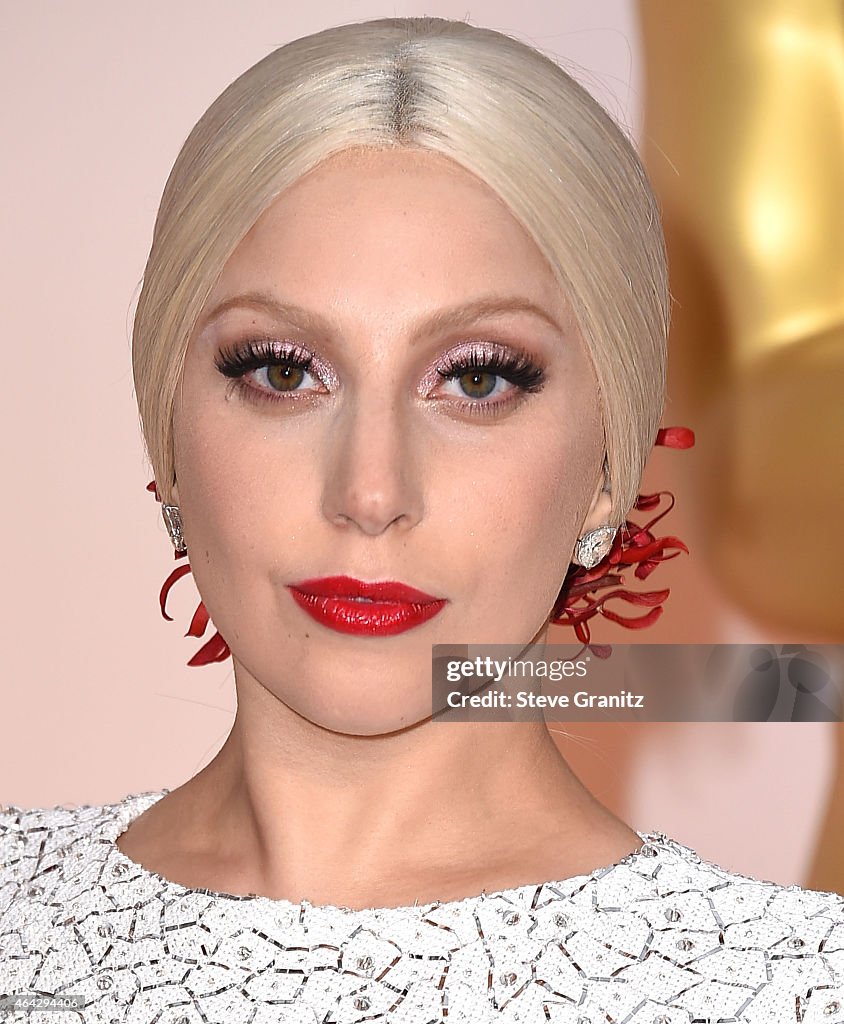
[[399, 358]]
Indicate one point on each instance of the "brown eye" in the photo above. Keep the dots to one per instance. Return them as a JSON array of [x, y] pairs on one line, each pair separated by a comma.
[[477, 383], [490, 379], [283, 377]]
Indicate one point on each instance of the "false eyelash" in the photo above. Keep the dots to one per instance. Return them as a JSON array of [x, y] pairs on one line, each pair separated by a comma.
[[517, 369], [236, 361]]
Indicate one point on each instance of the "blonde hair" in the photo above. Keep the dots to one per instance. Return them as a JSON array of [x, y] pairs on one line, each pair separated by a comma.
[[502, 110]]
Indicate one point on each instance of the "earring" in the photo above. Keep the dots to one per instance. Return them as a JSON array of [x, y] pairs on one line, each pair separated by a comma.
[[594, 546], [173, 522]]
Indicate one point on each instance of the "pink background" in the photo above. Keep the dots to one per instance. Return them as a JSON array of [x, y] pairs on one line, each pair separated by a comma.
[[97, 700]]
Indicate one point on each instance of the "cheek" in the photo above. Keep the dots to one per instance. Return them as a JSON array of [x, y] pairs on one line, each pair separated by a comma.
[[215, 484], [242, 491], [518, 514], [245, 520]]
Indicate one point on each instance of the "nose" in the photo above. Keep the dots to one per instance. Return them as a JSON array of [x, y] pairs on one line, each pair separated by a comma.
[[373, 475]]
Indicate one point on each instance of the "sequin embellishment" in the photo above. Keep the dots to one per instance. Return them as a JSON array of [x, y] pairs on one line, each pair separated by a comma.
[[661, 937]]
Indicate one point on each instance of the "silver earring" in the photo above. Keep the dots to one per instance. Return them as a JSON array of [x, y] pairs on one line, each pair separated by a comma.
[[173, 522], [594, 546]]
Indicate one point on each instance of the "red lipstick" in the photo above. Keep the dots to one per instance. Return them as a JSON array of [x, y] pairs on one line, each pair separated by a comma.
[[365, 609]]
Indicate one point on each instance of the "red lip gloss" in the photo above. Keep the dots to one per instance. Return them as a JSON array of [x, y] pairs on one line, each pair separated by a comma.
[[365, 609]]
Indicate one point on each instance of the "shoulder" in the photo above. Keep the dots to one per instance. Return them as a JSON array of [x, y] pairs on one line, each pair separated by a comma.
[[38, 844], [762, 950], [728, 897], [31, 835]]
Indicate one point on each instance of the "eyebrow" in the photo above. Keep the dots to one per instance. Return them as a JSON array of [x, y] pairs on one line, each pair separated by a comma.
[[450, 316]]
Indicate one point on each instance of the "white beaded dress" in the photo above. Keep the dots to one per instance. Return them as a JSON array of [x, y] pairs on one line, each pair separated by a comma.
[[661, 937]]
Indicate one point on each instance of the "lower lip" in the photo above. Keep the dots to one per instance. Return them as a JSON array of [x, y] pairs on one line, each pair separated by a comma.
[[365, 618]]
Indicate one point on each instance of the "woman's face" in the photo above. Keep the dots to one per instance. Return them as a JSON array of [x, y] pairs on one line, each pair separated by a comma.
[[438, 425]]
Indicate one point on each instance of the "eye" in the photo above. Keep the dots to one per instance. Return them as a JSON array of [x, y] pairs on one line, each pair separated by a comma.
[[488, 378], [285, 376], [274, 368]]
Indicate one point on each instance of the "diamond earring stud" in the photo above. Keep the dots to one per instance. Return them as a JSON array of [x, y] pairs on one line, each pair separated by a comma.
[[173, 522], [594, 546]]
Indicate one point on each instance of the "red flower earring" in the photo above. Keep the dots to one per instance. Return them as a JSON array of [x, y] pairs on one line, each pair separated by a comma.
[[598, 570], [215, 649], [633, 545]]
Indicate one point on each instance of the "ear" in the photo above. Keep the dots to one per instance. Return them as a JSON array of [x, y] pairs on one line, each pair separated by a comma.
[[600, 507]]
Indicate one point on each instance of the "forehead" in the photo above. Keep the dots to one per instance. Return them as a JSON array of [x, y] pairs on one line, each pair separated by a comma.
[[391, 221]]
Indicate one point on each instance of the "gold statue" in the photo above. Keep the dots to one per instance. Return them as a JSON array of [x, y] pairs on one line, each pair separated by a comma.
[[743, 138]]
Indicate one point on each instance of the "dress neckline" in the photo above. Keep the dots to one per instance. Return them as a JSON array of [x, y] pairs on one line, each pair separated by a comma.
[[121, 868]]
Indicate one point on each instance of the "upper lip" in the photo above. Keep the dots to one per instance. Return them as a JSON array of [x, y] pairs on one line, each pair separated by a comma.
[[348, 586]]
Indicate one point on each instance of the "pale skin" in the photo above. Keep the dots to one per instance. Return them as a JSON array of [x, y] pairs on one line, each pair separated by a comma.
[[334, 784]]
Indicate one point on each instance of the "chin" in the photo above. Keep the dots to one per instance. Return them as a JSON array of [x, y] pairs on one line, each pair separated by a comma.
[[355, 706]]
